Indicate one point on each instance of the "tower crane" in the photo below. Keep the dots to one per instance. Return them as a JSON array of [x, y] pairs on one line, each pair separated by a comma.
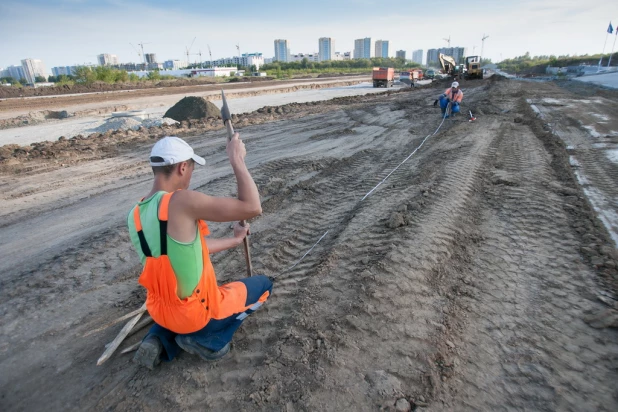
[[448, 41], [210, 53], [188, 49], [136, 51], [142, 46], [483, 44]]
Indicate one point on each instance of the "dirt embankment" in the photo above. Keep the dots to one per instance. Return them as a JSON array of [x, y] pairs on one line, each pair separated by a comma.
[[34, 111], [7, 92], [64, 152], [462, 283]]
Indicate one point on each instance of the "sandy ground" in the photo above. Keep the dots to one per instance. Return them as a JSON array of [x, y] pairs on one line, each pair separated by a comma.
[[479, 277], [154, 107], [607, 80]]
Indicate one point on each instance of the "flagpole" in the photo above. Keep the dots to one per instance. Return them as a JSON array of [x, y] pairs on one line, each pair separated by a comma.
[[601, 59], [610, 55]]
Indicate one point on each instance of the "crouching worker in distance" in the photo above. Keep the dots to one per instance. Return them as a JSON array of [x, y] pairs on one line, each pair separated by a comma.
[[169, 232], [452, 95]]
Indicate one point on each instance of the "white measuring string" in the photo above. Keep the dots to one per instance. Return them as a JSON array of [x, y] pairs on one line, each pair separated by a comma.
[[407, 158], [372, 190]]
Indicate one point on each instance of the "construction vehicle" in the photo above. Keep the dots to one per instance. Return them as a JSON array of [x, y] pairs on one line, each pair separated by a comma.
[[406, 77], [383, 76], [410, 76], [473, 67], [449, 66]]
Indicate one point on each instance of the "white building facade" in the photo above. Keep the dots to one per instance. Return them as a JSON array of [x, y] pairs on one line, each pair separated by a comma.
[[32, 69], [15, 72], [174, 64], [106, 59], [63, 70], [312, 57]]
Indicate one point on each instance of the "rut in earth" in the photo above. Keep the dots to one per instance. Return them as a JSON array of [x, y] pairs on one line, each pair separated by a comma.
[[527, 284]]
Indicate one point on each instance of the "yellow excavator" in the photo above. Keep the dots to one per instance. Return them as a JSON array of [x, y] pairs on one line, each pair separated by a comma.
[[473, 67], [449, 66]]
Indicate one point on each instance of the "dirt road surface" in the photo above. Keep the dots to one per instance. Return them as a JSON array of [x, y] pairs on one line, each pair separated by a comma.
[[478, 277]]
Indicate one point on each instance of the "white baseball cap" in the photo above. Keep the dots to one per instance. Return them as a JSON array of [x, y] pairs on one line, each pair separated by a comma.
[[455, 84], [171, 150]]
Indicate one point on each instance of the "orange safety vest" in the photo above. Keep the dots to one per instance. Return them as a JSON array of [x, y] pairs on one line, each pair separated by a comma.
[[457, 98], [207, 300]]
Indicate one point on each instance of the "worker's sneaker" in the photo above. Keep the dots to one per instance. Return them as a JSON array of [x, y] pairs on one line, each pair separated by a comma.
[[189, 345], [149, 353]]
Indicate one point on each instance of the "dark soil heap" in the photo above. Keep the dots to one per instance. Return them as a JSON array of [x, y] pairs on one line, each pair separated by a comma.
[[192, 108]]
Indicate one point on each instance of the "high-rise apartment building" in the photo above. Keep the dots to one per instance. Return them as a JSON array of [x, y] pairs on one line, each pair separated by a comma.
[[457, 53], [282, 50], [432, 57], [382, 48], [63, 70], [106, 59], [326, 49], [16, 72], [400, 54], [362, 48], [32, 69], [174, 64], [150, 57], [417, 56]]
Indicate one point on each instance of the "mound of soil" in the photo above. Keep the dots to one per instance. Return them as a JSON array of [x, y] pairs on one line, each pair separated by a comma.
[[192, 108]]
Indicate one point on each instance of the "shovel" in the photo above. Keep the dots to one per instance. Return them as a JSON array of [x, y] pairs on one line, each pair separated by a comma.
[[227, 121]]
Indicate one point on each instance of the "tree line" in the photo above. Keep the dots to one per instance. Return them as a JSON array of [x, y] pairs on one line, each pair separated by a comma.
[[527, 63]]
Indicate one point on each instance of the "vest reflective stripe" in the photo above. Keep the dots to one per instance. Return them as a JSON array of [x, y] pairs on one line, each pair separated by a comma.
[[456, 97]]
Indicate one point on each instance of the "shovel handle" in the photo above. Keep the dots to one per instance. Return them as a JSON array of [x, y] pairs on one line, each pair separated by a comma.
[[230, 133]]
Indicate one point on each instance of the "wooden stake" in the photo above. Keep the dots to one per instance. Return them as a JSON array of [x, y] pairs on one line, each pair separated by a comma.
[[141, 325], [116, 342], [120, 319], [131, 348]]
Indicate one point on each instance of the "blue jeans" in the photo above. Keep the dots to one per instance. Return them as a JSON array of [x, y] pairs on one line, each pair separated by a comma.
[[444, 104], [218, 332]]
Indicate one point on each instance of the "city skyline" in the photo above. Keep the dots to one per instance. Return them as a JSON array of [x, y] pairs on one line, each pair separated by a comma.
[[38, 29]]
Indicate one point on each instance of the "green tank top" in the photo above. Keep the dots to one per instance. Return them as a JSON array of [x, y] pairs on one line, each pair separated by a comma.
[[186, 258]]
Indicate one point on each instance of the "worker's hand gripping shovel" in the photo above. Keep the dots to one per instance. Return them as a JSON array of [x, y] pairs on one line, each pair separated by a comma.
[[227, 121]]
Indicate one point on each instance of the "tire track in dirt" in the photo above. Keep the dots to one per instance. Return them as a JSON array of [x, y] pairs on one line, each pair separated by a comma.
[[347, 295], [514, 353], [303, 339]]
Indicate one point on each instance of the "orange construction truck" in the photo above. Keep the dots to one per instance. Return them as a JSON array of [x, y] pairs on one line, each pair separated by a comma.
[[383, 76]]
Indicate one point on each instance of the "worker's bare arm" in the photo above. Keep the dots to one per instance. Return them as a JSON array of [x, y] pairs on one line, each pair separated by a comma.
[[196, 205], [218, 245]]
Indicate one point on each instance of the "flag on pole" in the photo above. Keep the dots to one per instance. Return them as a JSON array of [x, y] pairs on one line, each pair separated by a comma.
[[610, 29]]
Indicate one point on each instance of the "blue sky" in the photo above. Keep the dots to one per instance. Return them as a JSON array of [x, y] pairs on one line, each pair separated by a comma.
[[68, 32]]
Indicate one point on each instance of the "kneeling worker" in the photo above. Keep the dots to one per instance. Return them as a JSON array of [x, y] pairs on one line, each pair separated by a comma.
[[168, 229], [452, 95]]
